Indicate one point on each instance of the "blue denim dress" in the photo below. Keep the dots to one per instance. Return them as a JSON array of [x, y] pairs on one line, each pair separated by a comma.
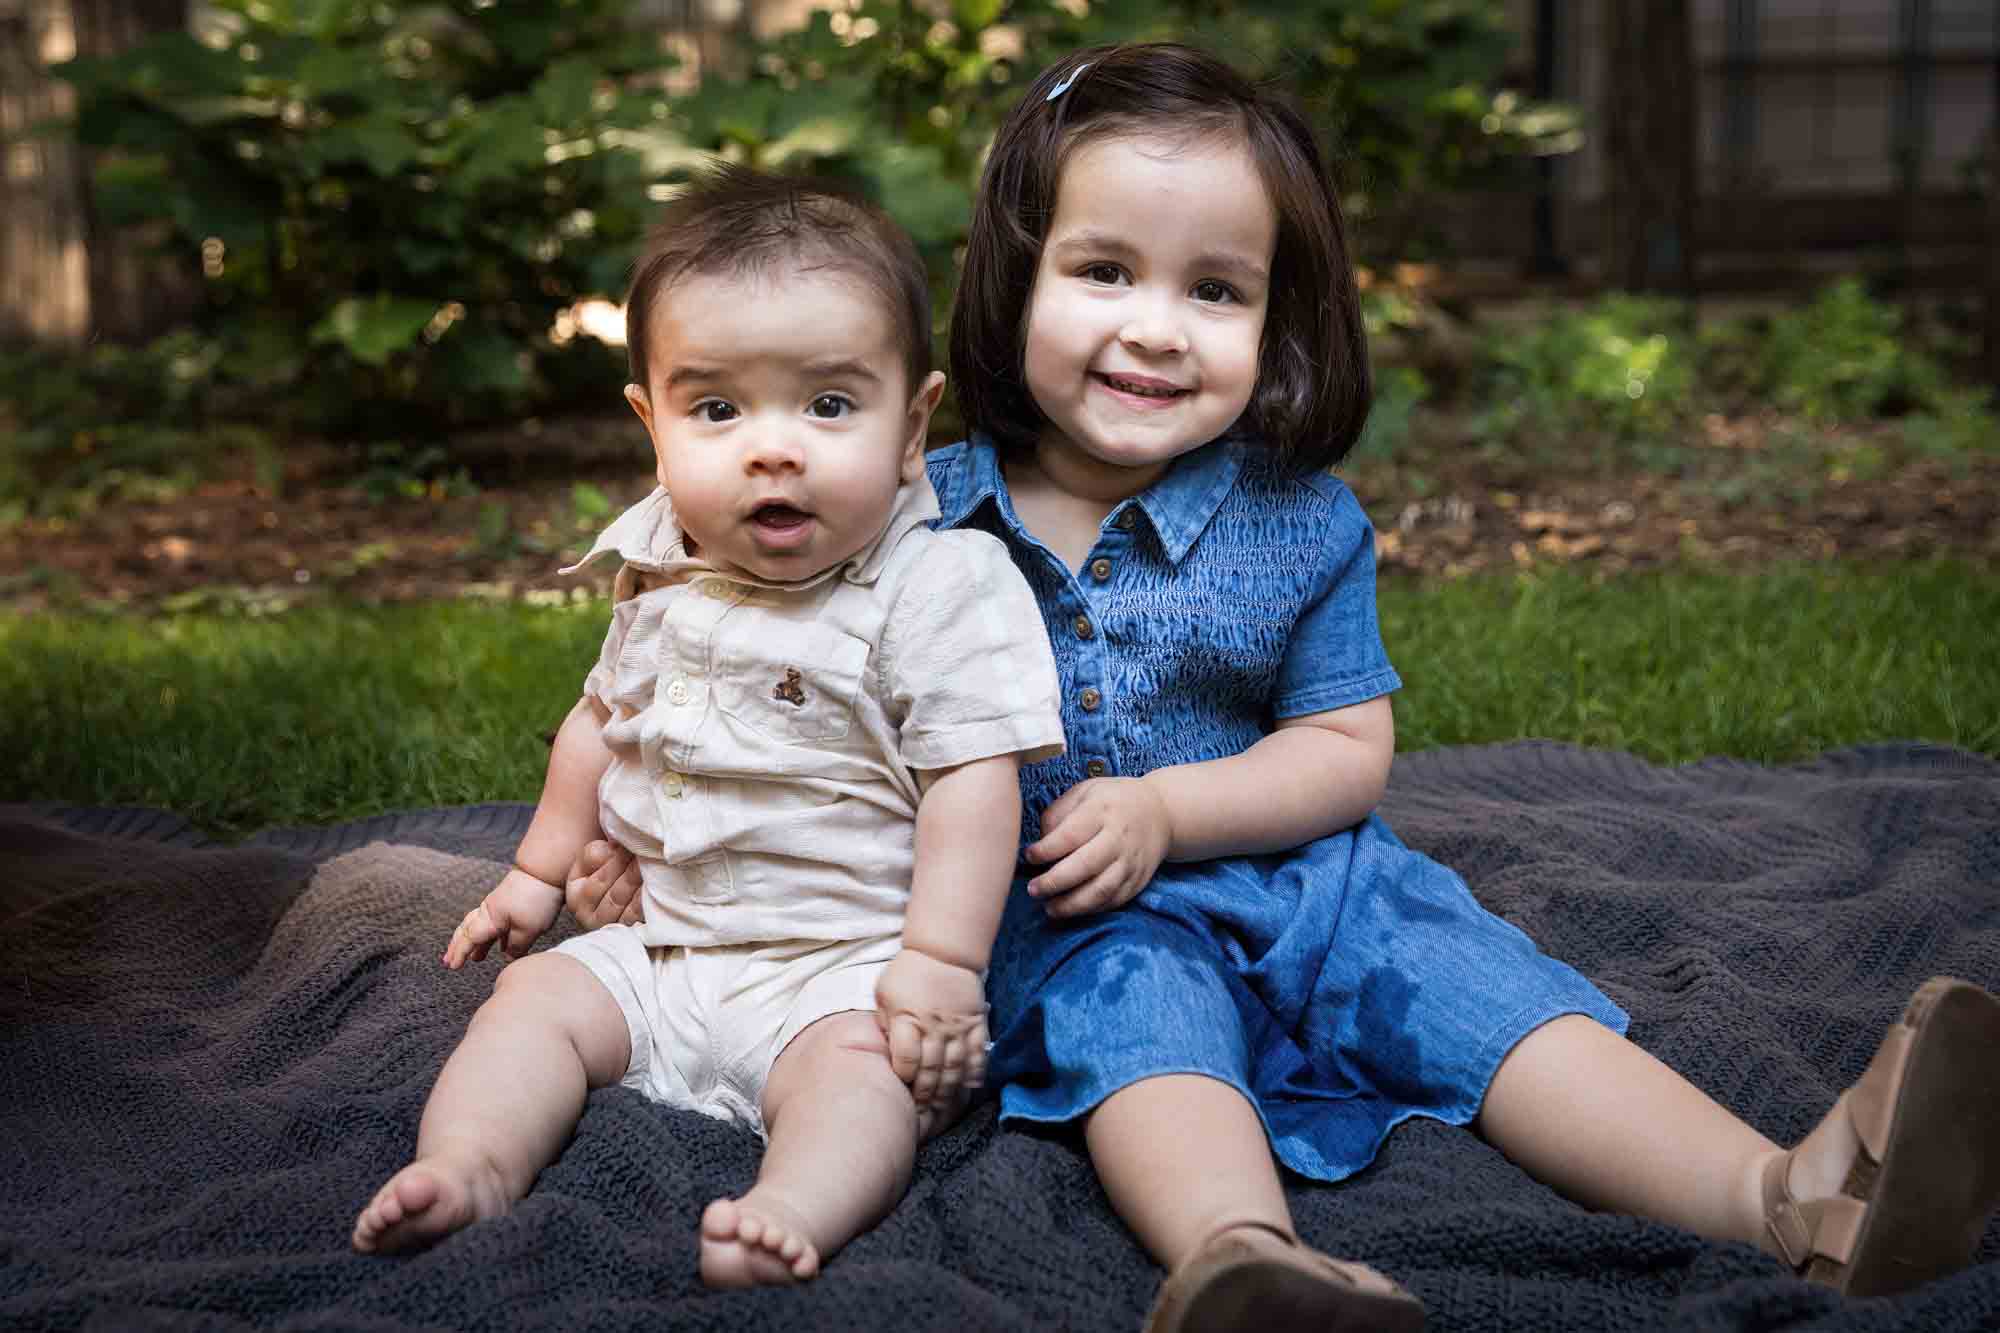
[[1343, 986]]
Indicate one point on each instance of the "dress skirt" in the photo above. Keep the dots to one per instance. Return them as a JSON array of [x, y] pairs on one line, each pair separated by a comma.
[[1342, 987]]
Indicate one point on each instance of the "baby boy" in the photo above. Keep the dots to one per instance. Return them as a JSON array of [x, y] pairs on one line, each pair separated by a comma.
[[806, 725]]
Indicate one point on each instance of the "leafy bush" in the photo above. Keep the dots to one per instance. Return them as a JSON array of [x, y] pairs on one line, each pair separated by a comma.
[[112, 423], [1407, 90], [1844, 357], [1618, 369], [905, 98], [390, 201]]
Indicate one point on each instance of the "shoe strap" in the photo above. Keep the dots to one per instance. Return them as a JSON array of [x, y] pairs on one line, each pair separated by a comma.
[[1826, 1228], [1871, 1102]]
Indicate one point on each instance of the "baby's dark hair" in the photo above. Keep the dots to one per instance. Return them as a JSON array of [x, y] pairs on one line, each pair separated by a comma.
[[732, 220], [1313, 383]]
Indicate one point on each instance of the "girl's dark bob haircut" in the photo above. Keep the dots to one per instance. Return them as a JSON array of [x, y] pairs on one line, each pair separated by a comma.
[[1313, 384]]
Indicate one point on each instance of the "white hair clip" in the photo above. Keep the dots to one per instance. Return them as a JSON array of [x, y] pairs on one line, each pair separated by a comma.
[[1068, 79]]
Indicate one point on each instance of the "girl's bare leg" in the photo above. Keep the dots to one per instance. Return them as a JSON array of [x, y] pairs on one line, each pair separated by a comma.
[[1141, 1139], [1600, 1120], [487, 1132], [843, 1136]]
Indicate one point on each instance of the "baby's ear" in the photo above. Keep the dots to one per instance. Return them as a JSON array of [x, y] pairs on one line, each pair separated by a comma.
[[641, 404], [922, 404]]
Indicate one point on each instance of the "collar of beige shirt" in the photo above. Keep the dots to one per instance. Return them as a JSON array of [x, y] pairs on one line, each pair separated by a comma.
[[649, 536]]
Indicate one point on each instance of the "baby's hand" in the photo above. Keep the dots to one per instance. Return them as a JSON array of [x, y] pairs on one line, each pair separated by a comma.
[[602, 886], [1106, 837], [933, 1014], [518, 910]]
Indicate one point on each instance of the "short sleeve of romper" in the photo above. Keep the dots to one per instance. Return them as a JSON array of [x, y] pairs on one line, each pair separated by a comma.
[[1335, 658], [965, 661], [601, 683]]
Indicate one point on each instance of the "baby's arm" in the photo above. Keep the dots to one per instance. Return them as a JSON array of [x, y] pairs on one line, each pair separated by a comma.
[[1312, 776], [525, 903], [930, 1000]]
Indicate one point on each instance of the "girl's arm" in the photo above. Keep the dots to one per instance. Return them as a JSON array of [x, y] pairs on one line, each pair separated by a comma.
[[1313, 776], [526, 901], [1317, 774]]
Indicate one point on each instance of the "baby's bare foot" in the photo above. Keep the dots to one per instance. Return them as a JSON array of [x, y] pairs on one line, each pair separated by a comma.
[[754, 1241], [428, 1199]]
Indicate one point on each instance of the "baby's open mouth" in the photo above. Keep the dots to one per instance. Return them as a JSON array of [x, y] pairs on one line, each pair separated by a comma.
[[1142, 388], [778, 515]]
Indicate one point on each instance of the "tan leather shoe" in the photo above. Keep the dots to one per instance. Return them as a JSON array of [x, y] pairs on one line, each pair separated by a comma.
[[1927, 1113], [1249, 1277]]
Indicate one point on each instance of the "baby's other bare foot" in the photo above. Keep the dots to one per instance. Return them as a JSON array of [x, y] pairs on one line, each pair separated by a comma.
[[753, 1241], [428, 1199]]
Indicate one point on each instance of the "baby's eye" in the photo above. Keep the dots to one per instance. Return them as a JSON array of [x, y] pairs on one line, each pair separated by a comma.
[[831, 406], [715, 410], [1108, 274], [1210, 290]]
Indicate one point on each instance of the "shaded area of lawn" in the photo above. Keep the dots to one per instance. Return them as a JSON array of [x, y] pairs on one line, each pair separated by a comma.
[[336, 712]]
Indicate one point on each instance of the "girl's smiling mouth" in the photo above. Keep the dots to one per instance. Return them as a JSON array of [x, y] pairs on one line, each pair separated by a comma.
[[1141, 389]]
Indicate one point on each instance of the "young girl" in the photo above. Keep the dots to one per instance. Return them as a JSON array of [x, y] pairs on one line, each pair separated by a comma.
[[1223, 953]]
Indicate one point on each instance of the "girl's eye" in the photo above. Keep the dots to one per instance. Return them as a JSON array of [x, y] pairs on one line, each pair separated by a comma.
[[831, 406], [1108, 274], [1208, 289], [715, 410]]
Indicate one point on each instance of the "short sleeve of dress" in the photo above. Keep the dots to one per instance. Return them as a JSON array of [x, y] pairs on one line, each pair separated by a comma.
[[1335, 656], [965, 662]]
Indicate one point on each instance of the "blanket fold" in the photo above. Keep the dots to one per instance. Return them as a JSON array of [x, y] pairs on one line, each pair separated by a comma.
[[210, 1056]]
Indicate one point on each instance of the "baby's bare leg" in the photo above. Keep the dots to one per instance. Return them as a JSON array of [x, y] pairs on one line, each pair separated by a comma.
[[487, 1131], [843, 1136]]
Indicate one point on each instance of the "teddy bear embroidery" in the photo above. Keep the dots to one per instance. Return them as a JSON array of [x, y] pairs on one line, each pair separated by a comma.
[[791, 689]]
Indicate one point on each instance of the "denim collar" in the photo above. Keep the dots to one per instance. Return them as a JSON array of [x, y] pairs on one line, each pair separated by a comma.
[[1178, 505]]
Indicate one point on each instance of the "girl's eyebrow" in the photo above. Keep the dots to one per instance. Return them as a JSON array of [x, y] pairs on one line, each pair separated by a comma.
[[1230, 262]]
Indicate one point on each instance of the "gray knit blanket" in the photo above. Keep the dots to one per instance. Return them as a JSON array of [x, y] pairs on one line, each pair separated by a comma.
[[211, 1055]]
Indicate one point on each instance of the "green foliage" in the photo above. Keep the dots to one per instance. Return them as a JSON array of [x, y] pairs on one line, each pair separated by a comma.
[[1620, 369], [389, 200], [1844, 357], [1407, 91], [904, 102], [1399, 391], [1623, 378], [112, 423]]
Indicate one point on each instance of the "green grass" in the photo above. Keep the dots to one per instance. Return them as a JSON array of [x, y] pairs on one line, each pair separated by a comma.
[[328, 714], [1772, 666]]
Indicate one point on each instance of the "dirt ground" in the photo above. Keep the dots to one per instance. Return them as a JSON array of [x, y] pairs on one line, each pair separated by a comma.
[[502, 529]]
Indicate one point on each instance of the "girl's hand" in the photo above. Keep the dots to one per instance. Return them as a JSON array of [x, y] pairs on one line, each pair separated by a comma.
[[602, 886], [514, 915], [1106, 837]]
